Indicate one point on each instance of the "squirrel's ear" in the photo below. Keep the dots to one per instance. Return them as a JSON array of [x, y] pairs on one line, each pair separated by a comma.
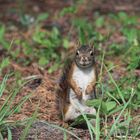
[[91, 44], [77, 44]]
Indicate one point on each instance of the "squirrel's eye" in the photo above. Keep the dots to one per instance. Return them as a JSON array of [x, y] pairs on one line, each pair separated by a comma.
[[91, 52], [77, 53]]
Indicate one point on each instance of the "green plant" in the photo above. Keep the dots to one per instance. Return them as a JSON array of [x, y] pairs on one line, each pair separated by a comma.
[[133, 56], [85, 29], [5, 44], [7, 109], [5, 62], [28, 124], [49, 42], [68, 10], [99, 21], [126, 20], [26, 20], [131, 34]]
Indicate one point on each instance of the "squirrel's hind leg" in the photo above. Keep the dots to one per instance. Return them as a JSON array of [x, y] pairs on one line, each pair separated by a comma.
[[71, 114]]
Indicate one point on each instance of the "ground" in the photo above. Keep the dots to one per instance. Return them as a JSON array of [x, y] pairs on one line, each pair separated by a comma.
[[41, 74]]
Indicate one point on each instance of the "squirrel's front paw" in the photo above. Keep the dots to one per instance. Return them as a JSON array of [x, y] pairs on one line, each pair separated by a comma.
[[79, 92], [89, 89], [90, 110]]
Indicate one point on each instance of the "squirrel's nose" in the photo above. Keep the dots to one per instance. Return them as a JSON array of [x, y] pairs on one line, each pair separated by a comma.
[[84, 59]]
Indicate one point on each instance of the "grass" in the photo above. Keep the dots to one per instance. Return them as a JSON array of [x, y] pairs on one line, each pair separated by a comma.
[[119, 98], [7, 109], [107, 131], [28, 125]]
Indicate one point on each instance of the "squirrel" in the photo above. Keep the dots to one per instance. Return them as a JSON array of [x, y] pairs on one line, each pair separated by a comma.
[[78, 84]]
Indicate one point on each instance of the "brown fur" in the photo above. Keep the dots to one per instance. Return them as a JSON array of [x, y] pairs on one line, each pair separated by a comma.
[[72, 83]]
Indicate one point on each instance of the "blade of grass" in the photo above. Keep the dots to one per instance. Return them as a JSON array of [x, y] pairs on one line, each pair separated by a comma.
[[98, 124], [65, 135], [9, 134], [26, 130], [101, 69], [11, 43], [115, 110], [6, 121], [98, 115], [129, 121], [3, 85], [20, 103], [113, 98], [1, 137], [136, 131], [89, 125], [117, 119], [113, 81], [6, 106]]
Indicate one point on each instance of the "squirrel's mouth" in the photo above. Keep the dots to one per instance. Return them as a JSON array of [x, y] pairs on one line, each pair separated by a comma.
[[84, 64]]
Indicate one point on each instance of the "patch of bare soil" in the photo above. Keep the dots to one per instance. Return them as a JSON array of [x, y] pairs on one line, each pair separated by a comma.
[[43, 90], [42, 131]]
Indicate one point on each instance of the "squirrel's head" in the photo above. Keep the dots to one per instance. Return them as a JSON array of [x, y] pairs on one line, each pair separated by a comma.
[[84, 56]]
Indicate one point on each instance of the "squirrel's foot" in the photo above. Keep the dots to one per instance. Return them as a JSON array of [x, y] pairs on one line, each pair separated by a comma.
[[90, 110], [71, 114]]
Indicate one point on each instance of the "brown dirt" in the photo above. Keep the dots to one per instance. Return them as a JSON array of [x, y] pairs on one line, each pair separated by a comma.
[[43, 131], [44, 88]]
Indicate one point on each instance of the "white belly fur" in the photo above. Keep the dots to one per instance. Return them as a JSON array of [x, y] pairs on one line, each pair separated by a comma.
[[83, 78]]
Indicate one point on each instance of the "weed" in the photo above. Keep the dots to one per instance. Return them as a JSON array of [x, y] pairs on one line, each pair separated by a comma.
[[7, 109]]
